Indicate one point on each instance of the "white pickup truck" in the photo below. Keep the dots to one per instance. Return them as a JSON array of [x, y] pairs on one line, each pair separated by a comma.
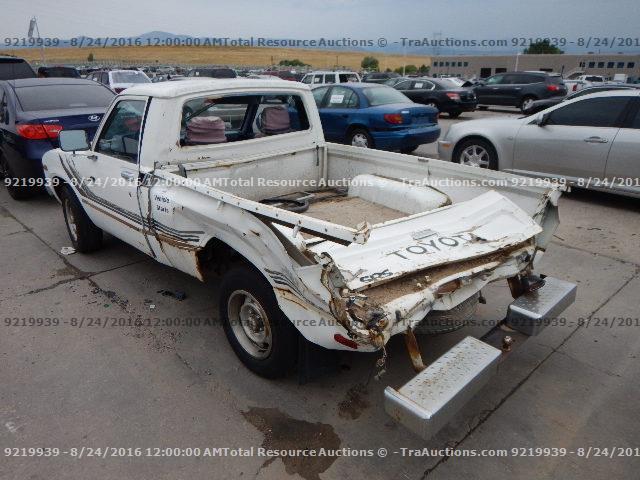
[[312, 242]]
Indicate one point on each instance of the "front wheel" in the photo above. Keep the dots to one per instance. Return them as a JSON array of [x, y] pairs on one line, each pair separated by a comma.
[[360, 138], [85, 236], [476, 152], [259, 333]]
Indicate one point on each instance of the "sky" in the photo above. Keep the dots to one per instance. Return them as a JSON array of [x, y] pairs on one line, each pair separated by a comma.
[[324, 18]]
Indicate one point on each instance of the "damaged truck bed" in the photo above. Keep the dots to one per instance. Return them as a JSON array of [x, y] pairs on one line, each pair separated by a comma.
[[340, 245]]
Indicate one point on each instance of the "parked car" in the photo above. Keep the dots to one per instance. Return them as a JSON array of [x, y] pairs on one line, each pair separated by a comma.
[[379, 77], [590, 141], [14, 67], [326, 77], [439, 93], [375, 116], [212, 73], [583, 81], [59, 71], [342, 268], [540, 105], [119, 80], [32, 114], [519, 89]]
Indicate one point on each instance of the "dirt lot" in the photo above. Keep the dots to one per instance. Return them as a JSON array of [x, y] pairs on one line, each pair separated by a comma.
[[148, 386], [216, 56]]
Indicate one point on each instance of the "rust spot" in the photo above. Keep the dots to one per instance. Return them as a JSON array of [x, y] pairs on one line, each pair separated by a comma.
[[414, 350], [282, 432], [354, 403]]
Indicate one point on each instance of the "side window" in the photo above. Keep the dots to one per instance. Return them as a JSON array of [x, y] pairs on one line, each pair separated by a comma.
[[317, 79], [403, 85], [121, 134], [495, 80], [307, 79], [592, 112], [330, 78], [318, 94], [209, 121], [342, 97], [105, 78], [423, 85], [635, 122], [348, 77]]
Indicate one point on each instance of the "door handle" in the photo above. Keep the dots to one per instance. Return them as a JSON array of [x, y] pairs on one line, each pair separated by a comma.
[[127, 175], [92, 157], [596, 140]]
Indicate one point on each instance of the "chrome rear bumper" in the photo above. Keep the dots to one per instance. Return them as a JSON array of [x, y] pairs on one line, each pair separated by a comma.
[[430, 399]]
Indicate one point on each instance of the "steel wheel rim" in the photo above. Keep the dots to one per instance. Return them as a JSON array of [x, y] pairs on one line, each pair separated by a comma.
[[250, 324], [432, 105], [360, 140], [71, 220], [475, 156]]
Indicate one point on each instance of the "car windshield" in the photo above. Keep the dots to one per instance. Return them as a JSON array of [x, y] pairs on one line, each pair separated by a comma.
[[129, 77], [384, 95], [62, 97]]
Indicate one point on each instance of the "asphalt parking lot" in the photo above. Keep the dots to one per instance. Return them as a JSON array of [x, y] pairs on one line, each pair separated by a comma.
[[67, 386]]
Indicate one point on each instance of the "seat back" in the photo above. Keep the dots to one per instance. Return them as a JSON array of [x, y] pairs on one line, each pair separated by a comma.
[[205, 130], [274, 120]]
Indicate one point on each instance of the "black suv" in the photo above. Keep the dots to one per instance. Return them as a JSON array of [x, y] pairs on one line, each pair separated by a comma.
[[379, 77], [12, 68], [519, 89]]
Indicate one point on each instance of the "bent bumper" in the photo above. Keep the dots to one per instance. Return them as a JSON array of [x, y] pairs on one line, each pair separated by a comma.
[[430, 400], [401, 139]]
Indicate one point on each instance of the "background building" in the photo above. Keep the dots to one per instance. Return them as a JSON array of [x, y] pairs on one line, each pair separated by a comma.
[[481, 66]]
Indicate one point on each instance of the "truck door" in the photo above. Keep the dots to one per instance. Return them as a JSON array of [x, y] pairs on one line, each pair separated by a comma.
[[108, 173]]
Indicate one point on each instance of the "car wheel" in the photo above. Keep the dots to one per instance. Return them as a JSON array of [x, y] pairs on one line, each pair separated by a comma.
[[454, 114], [85, 236], [409, 149], [259, 333], [432, 104], [476, 152], [526, 103], [15, 189], [359, 137], [483, 107]]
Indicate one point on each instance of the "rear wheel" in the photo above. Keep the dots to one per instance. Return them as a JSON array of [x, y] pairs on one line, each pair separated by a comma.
[[454, 114], [16, 190], [85, 236], [526, 103], [259, 333], [359, 137], [432, 104], [476, 152]]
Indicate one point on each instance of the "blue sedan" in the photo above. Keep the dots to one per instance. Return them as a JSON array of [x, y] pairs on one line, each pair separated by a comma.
[[375, 116]]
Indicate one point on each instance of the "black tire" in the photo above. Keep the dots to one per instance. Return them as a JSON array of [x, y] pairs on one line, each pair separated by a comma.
[[454, 114], [523, 103], [16, 191], [409, 149], [87, 237], [360, 133], [481, 143], [277, 354], [432, 103], [483, 107]]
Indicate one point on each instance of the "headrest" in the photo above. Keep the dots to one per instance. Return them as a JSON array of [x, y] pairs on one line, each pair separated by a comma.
[[274, 120], [205, 130]]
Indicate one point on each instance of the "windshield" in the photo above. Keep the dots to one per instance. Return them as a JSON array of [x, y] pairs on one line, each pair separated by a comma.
[[129, 77], [61, 97], [384, 96]]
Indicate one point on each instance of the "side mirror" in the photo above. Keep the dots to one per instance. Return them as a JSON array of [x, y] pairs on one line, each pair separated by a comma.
[[543, 120], [73, 140]]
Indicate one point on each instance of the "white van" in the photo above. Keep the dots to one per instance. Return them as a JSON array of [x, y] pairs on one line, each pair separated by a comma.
[[327, 77]]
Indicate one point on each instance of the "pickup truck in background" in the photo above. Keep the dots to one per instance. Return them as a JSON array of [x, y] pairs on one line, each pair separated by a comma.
[[583, 81], [313, 243]]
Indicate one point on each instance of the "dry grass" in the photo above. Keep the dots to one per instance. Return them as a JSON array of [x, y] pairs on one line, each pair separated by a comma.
[[249, 56]]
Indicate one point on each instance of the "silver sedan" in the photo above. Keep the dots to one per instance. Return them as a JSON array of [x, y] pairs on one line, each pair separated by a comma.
[[592, 142]]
